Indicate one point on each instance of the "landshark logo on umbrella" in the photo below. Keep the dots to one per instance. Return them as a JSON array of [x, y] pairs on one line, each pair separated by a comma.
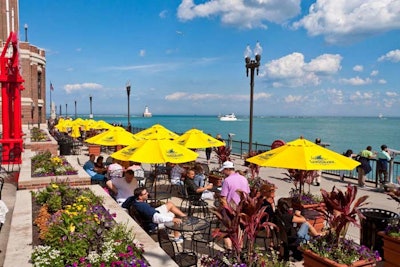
[[108, 139], [127, 152], [321, 160], [172, 154]]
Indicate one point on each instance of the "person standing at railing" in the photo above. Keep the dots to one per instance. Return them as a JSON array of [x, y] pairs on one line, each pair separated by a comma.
[[382, 164], [365, 167]]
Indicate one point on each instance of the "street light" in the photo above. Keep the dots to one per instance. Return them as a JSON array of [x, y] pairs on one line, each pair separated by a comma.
[[75, 110], [128, 92], [66, 110], [91, 113], [252, 64]]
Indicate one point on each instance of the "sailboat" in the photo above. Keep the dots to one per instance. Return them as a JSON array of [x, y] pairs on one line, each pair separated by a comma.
[[147, 113]]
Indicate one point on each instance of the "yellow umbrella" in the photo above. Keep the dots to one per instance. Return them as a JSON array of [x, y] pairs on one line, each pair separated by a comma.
[[195, 138], [64, 125], [88, 124], [79, 121], [156, 131], [155, 151], [102, 125], [113, 137], [302, 154], [76, 131]]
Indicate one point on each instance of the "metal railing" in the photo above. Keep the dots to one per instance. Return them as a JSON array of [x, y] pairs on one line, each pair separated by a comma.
[[241, 148]]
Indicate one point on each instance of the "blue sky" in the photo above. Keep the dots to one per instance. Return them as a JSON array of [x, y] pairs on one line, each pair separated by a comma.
[[319, 57]]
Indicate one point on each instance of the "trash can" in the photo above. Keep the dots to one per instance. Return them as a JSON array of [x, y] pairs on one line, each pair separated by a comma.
[[375, 220], [65, 146]]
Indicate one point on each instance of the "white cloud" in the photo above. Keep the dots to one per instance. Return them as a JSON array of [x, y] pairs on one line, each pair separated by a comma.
[[346, 21], [382, 81], [69, 88], [142, 52], [393, 56], [178, 96], [293, 71], [70, 69], [78, 49], [295, 99], [391, 94], [241, 13], [374, 73], [358, 68], [361, 96], [335, 95], [356, 81], [163, 14]]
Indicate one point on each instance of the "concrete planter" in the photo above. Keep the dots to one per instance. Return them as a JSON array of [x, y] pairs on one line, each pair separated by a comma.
[[26, 181], [19, 247]]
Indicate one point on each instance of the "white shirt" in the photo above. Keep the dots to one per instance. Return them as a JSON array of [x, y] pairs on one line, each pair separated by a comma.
[[124, 188]]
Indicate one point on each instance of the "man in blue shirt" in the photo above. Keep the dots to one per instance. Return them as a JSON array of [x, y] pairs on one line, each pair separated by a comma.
[[154, 216], [89, 167], [382, 164]]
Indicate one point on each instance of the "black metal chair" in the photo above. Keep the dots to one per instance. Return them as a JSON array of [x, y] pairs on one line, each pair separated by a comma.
[[141, 221], [1, 185], [194, 206], [205, 237], [183, 259], [13, 154]]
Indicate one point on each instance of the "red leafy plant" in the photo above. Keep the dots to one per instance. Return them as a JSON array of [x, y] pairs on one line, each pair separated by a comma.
[[301, 177], [240, 222], [223, 154], [341, 208]]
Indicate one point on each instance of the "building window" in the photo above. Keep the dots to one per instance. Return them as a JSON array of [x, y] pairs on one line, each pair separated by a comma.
[[39, 84]]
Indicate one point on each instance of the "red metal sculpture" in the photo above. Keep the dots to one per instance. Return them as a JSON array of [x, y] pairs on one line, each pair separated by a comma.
[[11, 87]]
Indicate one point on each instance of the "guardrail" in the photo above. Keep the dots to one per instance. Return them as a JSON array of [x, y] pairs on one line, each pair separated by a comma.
[[241, 148]]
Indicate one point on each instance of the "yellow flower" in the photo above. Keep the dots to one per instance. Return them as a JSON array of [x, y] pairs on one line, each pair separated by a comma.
[[72, 228], [54, 186]]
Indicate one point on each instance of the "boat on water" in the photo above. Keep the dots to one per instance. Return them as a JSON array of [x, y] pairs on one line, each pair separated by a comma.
[[228, 117], [147, 113], [380, 116]]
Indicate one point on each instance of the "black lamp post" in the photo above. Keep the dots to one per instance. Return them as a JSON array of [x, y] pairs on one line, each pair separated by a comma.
[[252, 64], [91, 113], [128, 92], [66, 110], [75, 110], [60, 111]]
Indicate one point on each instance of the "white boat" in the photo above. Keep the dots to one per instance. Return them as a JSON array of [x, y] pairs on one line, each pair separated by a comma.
[[147, 113], [380, 116], [228, 117]]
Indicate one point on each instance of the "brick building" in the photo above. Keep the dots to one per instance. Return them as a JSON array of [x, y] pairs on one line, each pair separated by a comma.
[[32, 61]]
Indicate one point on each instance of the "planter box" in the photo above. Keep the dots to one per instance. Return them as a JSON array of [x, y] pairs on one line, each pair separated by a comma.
[[312, 259], [19, 246], [94, 149], [391, 250]]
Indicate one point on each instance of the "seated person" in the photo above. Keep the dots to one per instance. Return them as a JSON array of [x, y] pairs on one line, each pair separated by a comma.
[[154, 216], [194, 191], [289, 218], [115, 170], [136, 167], [176, 174], [99, 166], [89, 167], [123, 188], [199, 178]]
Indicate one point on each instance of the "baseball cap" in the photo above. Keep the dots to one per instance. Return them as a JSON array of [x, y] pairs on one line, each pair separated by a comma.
[[227, 165]]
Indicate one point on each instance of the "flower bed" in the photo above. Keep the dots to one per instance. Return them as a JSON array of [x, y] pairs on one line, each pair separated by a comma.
[[38, 135], [74, 229], [44, 164], [19, 247]]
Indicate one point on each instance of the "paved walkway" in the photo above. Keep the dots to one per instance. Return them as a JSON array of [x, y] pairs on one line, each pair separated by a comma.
[[276, 176]]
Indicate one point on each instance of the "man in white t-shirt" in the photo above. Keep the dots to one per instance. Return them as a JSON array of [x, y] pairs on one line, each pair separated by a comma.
[[123, 187]]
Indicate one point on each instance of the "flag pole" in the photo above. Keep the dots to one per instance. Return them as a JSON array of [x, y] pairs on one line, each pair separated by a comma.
[[51, 87]]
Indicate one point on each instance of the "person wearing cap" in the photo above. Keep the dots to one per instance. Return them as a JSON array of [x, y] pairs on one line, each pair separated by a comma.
[[382, 164], [233, 182]]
